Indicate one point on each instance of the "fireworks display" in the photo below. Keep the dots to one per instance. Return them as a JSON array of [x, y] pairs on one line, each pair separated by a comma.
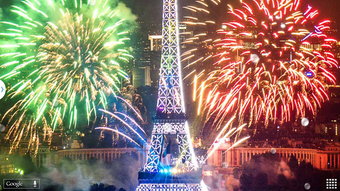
[[124, 123], [224, 135], [64, 59], [266, 60]]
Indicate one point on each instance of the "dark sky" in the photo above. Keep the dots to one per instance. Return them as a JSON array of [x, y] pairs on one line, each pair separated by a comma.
[[150, 10], [329, 9]]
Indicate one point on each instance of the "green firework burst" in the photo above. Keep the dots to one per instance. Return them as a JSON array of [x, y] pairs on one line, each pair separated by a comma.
[[66, 58]]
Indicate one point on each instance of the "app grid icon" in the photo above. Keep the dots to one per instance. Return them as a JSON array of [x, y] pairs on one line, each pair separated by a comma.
[[331, 184]]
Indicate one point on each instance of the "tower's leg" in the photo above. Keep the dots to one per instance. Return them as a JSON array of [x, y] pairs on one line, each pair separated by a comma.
[[154, 155], [185, 156]]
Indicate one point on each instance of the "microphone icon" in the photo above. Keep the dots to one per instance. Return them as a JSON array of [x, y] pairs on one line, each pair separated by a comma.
[[35, 184]]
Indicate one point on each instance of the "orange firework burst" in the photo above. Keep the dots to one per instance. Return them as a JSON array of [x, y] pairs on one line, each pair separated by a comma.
[[266, 60]]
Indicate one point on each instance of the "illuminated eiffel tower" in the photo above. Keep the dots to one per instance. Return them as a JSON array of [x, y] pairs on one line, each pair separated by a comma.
[[171, 163]]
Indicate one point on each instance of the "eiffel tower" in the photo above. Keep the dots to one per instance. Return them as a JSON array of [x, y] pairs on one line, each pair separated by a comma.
[[171, 163]]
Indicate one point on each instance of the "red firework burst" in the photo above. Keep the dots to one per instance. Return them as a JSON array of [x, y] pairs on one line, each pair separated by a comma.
[[271, 61]]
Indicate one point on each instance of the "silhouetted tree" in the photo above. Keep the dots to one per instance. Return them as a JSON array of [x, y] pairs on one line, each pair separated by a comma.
[[293, 163], [101, 187], [94, 187], [282, 181], [261, 180], [110, 188], [246, 182]]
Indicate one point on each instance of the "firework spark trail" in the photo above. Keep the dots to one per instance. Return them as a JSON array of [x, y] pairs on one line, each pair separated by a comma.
[[223, 136], [125, 123], [229, 134], [219, 142], [132, 120], [269, 58], [238, 142], [120, 133], [69, 57], [135, 111]]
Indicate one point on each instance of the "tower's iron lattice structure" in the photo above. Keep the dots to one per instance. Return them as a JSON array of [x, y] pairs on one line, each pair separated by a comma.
[[170, 120]]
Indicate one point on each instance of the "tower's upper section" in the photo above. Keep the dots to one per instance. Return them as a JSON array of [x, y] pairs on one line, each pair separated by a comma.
[[170, 94]]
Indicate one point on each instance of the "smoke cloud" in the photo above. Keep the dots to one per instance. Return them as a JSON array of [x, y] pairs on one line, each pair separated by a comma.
[[124, 12], [270, 165], [284, 169], [81, 175], [266, 164], [232, 183]]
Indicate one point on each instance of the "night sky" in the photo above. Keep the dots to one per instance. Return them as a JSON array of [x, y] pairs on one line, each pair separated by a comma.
[[151, 10], [329, 9]]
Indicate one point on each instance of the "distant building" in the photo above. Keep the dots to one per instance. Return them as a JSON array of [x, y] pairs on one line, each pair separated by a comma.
[[101, 154], [5, 166], [141, 76], [328, 117], [148, 56], [155, 42], [46, 157], [327, 159]]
